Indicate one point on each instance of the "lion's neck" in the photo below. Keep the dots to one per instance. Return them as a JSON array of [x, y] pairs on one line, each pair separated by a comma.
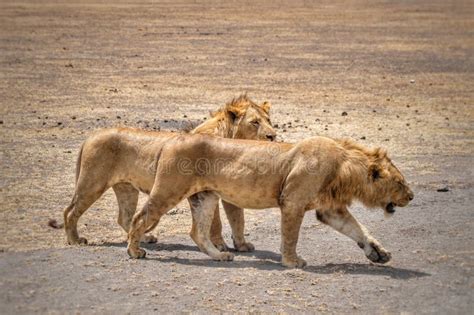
[[216, 126], [350, 182]]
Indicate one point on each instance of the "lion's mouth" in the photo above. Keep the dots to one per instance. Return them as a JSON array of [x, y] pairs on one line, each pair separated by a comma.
[[390, 208]]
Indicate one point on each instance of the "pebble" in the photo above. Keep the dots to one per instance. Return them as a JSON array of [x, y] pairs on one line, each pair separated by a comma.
[[444, 189], [344, 114]]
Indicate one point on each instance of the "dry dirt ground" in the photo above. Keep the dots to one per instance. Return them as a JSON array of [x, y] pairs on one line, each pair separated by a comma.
[[403, 71]]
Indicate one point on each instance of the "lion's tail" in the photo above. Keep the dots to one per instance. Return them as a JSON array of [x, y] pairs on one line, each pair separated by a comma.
[[78, 163], [73, 201]]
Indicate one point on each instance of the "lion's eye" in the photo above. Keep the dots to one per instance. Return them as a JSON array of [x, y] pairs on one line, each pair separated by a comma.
[[256, 123]]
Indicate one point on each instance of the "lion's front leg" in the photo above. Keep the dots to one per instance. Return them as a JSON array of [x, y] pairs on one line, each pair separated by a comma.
[[342, 221], [291, 220]]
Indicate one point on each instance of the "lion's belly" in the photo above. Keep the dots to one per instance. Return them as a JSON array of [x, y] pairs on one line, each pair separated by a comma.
[[249, 198]]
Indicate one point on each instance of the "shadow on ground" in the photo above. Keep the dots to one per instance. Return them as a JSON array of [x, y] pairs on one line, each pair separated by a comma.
[[269, 260]]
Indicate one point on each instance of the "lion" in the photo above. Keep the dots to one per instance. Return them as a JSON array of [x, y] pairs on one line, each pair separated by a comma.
[[318, 173], [125, 159]]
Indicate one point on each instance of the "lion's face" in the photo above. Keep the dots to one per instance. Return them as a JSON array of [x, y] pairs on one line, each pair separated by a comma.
[[389, 186], [254, 123]]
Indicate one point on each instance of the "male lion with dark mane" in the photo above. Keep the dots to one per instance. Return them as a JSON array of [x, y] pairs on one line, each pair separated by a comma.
[[317, 173], [125, 159]]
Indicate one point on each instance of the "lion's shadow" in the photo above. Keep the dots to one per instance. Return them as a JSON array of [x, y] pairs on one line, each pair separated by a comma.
[[268, 260]]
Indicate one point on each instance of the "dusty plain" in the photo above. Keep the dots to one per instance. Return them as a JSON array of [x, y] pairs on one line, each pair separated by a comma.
[[402, 72]]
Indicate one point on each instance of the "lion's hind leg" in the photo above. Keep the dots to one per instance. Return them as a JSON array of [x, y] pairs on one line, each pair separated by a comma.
[[204, 205], [83, 199], [216, 231], [342, 221], [127, 198], [216, 226], [235, 215]]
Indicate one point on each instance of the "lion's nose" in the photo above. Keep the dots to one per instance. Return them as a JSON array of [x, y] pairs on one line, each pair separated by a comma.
[[271, 137], [411, 195]]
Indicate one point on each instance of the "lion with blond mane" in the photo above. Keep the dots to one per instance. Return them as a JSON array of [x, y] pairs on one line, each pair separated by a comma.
[[126, 159], [317, 173]]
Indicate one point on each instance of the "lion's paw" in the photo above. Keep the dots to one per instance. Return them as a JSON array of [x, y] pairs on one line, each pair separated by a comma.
[[149, 239], [136, 254], [221, 246], [244, 247], [294, 263], [78, 241], [378, 254], [224, 256]]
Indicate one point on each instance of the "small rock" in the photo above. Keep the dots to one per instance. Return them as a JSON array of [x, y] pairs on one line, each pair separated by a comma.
[[69, 65], [118, 117], [362, 138], [185, 116], [412, 81], [1, 122], [344, 114], [59, 123], [73, 117], [444, 189]]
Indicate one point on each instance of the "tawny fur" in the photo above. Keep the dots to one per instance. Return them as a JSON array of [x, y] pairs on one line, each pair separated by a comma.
[[125, 159], [316, 173]]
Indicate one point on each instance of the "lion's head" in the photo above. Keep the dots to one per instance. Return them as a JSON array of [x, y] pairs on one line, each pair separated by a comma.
[[388, 186], [240, 119], [249, 120], [369, 176]]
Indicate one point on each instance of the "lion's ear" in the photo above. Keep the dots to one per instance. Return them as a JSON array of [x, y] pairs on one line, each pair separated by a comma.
[[266, 106], [380, 153], [375, 172], [234, 112]]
